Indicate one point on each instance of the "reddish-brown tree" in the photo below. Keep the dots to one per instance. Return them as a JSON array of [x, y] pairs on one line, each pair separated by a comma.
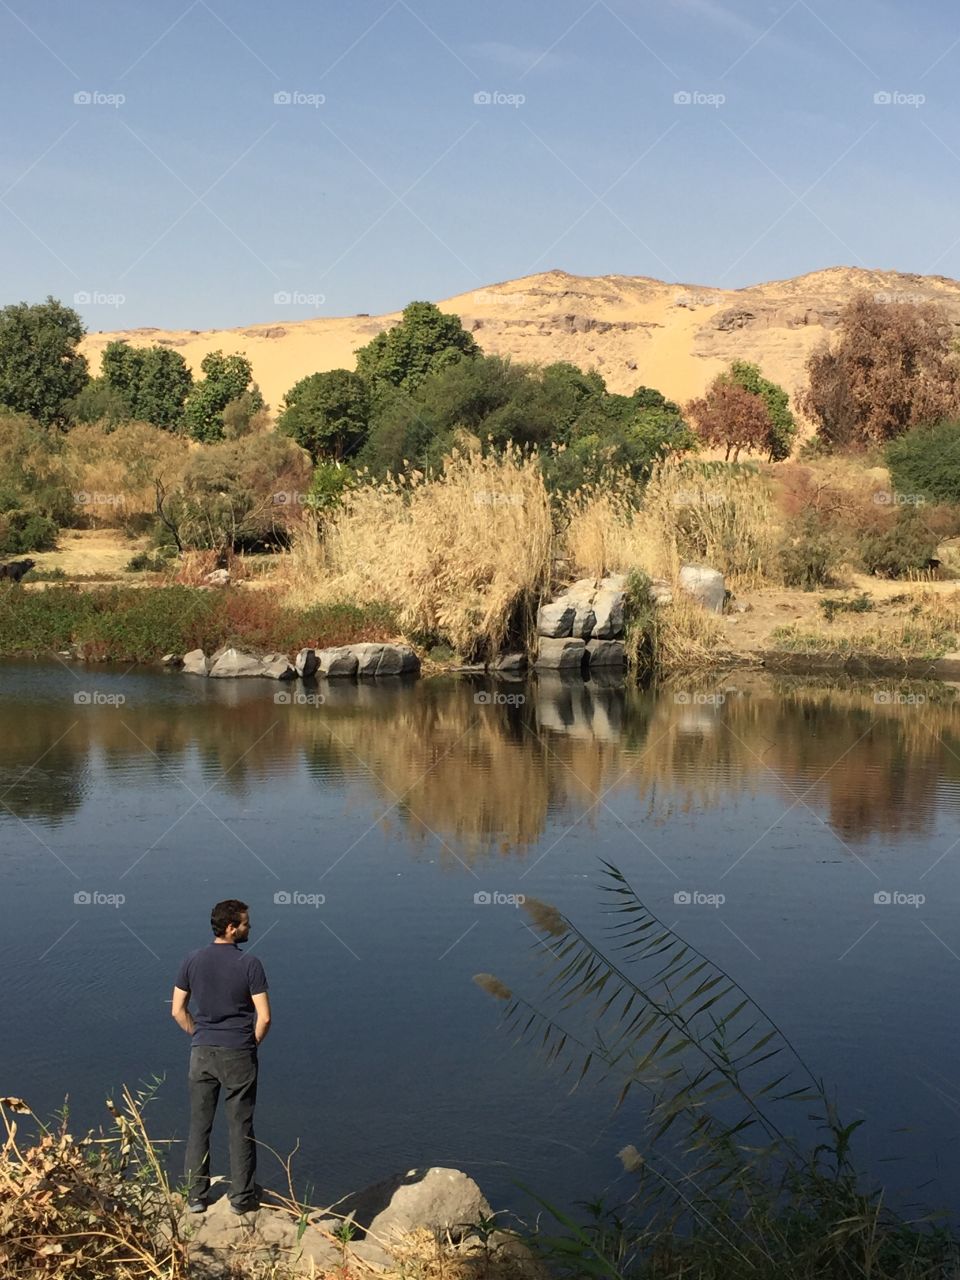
[[730, 417], [891, 368]]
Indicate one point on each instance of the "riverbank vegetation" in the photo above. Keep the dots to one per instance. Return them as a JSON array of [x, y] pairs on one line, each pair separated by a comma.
[[456, 489]]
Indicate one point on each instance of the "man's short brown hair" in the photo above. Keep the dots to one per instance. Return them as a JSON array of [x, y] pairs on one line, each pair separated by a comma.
[[225, 913]]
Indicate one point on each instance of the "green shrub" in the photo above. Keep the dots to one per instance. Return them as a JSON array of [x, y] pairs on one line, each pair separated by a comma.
[[855, 604], [144, 562], [810, 560], [22, 531], [926, 462], [907, 547]]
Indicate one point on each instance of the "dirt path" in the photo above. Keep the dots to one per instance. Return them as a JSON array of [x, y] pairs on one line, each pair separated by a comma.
[[768, 608], [90, 551]]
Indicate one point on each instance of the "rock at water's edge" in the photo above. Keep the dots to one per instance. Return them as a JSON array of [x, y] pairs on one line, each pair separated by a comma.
[[560, 654], [234, 664], [196, 663]]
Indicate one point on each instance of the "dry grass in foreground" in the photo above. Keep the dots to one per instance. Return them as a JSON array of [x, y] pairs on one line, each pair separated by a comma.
[[102, 1208]]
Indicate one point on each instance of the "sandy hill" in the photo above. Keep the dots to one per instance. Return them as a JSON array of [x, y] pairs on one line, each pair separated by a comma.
[[633, 329]]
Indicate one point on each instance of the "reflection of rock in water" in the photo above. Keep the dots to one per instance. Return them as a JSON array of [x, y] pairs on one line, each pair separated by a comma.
[[578, 709], [697, 721], [570, 705]]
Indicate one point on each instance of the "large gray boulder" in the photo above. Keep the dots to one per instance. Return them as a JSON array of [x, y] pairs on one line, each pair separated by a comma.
[[279, 668], [704, 585], [341, 661], [509, 662], [196, 663], [306, 663], [439, 1199], [234, 664], [560, 653], [606, 653], [584, 620], [368, 658], [556, 619], [608, 614], [397, 660]]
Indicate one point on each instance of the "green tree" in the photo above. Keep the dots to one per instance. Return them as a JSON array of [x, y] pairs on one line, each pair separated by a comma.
[[226, 378], [328, 414], [783, 425], [41, 369], [99, 402], [926, 462], [487, 397], [424, 341], [153, 381]]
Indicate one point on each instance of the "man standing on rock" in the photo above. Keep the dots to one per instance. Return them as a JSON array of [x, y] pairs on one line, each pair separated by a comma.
[[232, 1016]]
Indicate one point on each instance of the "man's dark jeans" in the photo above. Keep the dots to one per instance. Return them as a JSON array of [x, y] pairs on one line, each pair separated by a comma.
[[213, 1067]]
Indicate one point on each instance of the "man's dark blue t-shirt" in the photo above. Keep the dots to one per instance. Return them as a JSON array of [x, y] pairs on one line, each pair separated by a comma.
[[221, 980]]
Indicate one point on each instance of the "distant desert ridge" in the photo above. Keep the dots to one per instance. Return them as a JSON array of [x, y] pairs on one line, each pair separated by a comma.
[[634, 330]]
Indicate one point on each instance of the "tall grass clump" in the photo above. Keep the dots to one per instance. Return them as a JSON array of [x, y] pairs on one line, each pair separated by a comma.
[[741, 1166], [689, 512], [462, 556]]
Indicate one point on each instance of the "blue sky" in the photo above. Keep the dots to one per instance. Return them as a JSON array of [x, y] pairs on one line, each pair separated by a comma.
[[182, 194]]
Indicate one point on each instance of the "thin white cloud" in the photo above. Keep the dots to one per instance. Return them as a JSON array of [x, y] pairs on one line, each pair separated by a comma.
[[721, 16], [512, 57]]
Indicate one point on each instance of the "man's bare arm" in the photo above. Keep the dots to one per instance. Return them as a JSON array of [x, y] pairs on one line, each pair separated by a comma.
[[262, 1005], [182, 1015]]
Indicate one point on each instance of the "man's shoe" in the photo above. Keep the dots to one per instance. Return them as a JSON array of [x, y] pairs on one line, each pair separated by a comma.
[[241, 1210], [197, 1206]]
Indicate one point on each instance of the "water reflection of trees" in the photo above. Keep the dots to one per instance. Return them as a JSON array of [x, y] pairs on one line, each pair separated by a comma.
[[485, 776]]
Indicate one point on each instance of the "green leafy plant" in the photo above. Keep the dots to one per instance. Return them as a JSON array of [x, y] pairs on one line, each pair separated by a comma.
[[855, 604]]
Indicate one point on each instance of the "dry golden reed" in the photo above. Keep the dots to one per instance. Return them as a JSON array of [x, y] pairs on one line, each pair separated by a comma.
[[688, 513], [458, 556]]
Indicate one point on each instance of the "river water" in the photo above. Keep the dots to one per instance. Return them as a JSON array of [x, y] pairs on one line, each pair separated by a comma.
[[419, 812]]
